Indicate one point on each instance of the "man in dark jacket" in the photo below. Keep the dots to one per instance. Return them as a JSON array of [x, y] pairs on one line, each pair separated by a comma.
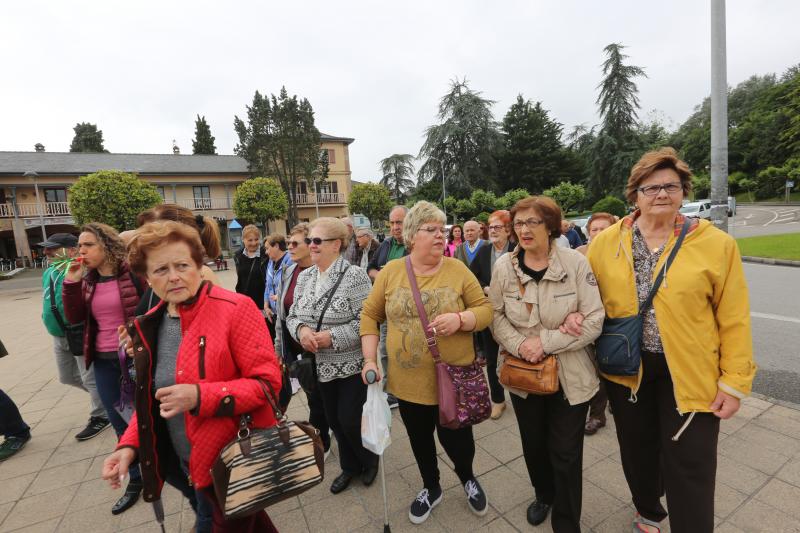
[[571, 235], [367, 247]]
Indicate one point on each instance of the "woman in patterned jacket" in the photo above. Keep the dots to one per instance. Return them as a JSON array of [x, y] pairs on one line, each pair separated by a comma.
[[335, 291]]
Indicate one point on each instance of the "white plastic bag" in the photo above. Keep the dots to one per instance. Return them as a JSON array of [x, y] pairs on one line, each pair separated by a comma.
[[376, 420]]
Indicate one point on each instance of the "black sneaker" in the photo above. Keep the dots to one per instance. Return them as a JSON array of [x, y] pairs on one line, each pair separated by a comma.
[[95, 426], [421, 507], [476, 498], [11, 446]]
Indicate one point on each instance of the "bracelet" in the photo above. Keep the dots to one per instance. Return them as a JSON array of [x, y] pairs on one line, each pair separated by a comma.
[[460, 321]]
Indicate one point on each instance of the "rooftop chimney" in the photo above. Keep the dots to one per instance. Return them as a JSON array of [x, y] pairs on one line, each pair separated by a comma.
[[175, 149], [39, 147]]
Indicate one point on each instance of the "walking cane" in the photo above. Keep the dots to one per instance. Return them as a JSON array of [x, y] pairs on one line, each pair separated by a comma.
[[372, 377]]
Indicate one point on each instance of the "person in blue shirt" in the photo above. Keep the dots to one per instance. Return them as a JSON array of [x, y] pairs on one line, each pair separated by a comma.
[[468, 250], [275, 247], [572, 236]]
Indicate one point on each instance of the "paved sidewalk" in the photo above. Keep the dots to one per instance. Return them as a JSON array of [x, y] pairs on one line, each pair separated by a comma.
[[54, 485]]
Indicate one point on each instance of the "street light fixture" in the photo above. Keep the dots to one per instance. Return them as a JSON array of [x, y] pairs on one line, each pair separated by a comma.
[[33, 176], [444, 195]]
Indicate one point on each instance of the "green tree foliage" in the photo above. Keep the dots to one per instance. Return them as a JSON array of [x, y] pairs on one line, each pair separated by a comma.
[[87, 138], [373, 200], [203, 142], [279, 139], [464, 142], [398, 173], [465, 209], [567, 195], [260, 200], [610, 204], [532, 154], [112, 197], [483, 200], [771, 182], [511, 197], [701, 185]]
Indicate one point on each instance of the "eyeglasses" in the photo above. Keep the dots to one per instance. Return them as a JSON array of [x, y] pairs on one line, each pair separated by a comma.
[[653, 190], [497, 227], [292, 244], [318, 241], [433, 230], [532, 223]]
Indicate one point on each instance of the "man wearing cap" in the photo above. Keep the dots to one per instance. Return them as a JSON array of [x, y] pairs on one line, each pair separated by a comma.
[[70, 369]]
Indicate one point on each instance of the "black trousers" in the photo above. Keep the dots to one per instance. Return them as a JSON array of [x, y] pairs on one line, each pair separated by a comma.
[[598, 403], [11, 423], [490, 348], [552, 443], [343, 400], [653, 463], [420, 421]]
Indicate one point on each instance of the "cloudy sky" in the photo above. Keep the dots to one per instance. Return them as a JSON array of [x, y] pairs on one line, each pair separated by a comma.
[[372, 70]]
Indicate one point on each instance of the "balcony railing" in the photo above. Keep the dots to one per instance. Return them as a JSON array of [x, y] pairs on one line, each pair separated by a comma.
[[323, 198], [49, 209], [206, 204]]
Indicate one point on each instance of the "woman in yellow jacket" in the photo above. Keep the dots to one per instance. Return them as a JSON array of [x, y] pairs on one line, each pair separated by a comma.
[[697, 355]]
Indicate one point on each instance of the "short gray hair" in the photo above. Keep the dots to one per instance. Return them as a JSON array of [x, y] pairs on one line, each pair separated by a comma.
[[421, 213], [366, 231]]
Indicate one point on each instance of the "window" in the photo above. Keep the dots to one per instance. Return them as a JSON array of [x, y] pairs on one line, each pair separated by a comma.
[[160, 190], [331, 156], [328, 187], [55, 195], [202, 196]]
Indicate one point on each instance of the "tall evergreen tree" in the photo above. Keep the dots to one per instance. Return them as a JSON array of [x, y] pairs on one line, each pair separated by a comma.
[[87, 138], [398, 173], [463, 143], [203, 142]]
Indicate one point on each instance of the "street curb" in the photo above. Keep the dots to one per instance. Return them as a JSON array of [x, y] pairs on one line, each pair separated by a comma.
[[12, 273], [771, 261], [784, 403]]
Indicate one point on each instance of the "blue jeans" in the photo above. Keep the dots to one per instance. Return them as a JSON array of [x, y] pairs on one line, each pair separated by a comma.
[[11, 423], [107, 376]]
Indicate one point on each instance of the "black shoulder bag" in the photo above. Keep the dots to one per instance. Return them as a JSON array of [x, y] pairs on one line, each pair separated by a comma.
[[73, 332], [304, 369], [619, 347]]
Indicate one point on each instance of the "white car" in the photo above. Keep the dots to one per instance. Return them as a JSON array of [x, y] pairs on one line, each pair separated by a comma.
[[701, 209]]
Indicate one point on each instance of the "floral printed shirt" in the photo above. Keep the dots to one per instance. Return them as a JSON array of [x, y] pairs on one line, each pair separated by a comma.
[[644, 264]]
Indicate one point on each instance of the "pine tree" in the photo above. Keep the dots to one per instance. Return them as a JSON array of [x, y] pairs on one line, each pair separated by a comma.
[[398, 171], [87, 138], [203, 142]]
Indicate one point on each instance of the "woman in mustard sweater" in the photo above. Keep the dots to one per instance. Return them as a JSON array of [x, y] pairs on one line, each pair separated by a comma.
[[456, 307]]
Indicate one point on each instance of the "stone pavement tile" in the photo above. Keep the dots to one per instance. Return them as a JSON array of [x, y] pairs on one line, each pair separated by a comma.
[[48, 526], [503, 489], [55, 394], [739, 476], [604, 441], [12, 490], [502, 445], [289, 504], [608, 475], [758, 516], [741, 450], [790, 473], [42, 442], [50, 423], [598, 504], [172, 522], [321, 491], [340, 512], [756, 403], [399, 523], [4, 509], [727, 527], [781, 419], [188, 518], [35, 509], [142, 513], [781, 495], [95, 469], [398, 455], [399, 494], [764, 438], [592, 456], [32, 419], [18, 466], [74, 451], [498, 525], [27, 386], [488, 427], [517, 517], [92, 517], [59, 477], [94, 492], [727, 500], [732, 425], [447, 479], [290, 522], [454, 513], [482, 463], [37, 405]]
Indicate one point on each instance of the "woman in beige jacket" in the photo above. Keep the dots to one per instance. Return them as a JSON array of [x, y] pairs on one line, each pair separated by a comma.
[[533, 291]]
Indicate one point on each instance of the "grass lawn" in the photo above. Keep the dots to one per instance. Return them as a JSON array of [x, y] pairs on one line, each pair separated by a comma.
[[776, 246]]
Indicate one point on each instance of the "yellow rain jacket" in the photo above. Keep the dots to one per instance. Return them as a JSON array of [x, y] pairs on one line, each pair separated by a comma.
[[702, 309]]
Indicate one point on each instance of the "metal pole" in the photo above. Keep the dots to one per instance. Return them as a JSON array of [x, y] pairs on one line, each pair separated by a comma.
[[444, 195], [719, 118]]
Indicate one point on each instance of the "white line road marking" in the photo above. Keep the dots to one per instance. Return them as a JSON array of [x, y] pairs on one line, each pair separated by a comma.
[[770, 316]]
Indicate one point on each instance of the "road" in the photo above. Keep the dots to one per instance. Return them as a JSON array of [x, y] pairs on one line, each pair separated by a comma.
[[764, 220]]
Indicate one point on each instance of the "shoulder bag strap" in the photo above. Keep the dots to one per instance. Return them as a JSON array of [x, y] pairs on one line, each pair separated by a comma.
[[330, 296], [54, 307], [430, 338], [657, 283]]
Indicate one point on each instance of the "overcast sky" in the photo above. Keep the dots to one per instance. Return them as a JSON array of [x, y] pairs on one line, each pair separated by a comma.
[[372, 70]]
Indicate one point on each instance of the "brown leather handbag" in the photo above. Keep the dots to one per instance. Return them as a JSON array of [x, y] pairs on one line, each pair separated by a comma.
[[534, 378]]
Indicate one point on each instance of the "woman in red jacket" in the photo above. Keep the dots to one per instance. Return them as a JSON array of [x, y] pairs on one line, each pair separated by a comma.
[[199, 356], [101, 291]]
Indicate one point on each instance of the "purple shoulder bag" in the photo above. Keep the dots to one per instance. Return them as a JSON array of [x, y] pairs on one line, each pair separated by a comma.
[[463, 392]]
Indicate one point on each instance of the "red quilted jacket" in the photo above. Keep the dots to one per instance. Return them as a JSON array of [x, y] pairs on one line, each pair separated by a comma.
[[225, 344], [77, 297]]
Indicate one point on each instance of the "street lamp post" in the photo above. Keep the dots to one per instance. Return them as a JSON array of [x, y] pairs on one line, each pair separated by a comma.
[[444, 194], [33, 176]]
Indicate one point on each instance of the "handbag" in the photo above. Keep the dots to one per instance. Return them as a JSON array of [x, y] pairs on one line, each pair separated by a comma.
[[304, 369], [619, 346], [462, 390], [535, 378], [261, 467], [72, 332]]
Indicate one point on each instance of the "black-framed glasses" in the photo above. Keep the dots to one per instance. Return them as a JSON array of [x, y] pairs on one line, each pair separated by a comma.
[[497, 227], [318, 241], [532, 223], [653, 190]]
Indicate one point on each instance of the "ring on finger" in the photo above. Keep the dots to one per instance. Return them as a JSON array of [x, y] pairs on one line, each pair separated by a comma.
[[434, 332]]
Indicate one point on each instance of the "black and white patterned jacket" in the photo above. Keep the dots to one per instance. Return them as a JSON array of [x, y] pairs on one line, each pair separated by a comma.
[[342, 319]]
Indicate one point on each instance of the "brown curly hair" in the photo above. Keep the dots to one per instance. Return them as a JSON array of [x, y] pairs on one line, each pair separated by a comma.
[[109, 241]]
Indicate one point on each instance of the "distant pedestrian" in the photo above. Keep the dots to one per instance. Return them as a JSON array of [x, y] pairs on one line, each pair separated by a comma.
[[572, 236], [251, 266], [367, 247], [279, 259], [351, 253], [467, 250], [71, 369], [454, 240]]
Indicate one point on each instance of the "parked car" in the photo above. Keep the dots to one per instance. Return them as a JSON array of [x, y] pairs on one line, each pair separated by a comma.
[[701, 209]]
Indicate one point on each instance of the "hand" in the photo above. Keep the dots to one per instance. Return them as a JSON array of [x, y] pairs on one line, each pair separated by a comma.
[[176, 399], [373, 273], [725, 405], [75, 270], [125, 340], [370, 365], [307, 339], [116, 465], [572, 324], [445, 325], [486, 291], [273, 297], [323, 339], [268, 313], [531, 350]]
